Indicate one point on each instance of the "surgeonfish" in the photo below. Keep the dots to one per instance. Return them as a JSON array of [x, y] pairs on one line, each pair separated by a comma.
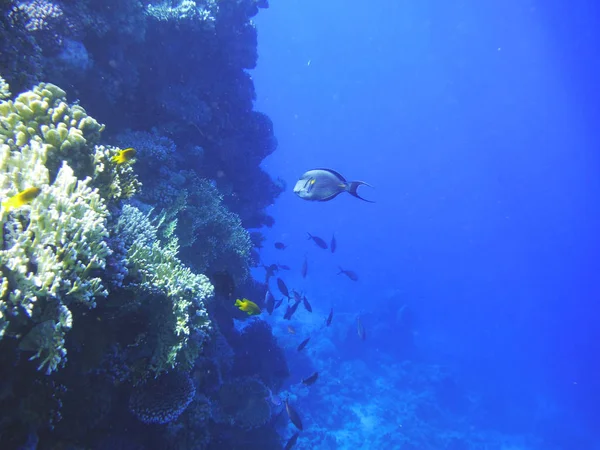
[[317, 240], [248, 307], [303, 344], [350, 274], [283, 266], [311, 380], [325, 184], [124, 155], [333, 244], [329, 318], [22, 198], [283, 288], [291, 441], [293, 415], [280, 246]]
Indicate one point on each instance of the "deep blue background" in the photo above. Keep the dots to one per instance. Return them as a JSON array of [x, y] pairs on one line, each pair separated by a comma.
[[478, 127]]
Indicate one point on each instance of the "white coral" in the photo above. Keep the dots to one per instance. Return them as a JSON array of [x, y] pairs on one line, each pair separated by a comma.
[[50, 246], [4, 89]]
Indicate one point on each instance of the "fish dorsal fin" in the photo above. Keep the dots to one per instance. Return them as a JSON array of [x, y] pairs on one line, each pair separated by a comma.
[[337, 174]]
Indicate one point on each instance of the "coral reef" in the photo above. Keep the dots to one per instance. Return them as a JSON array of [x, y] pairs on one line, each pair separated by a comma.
[[4, 89], [243, 402], [164, 399], [157, 270], [113, 280], [53, 246], [258, 353], [211, 237], [43, 115], [200, 96]]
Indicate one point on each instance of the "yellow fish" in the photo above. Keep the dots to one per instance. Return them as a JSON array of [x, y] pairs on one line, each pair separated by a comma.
[[248, 307], [22, 198], [124, 155]]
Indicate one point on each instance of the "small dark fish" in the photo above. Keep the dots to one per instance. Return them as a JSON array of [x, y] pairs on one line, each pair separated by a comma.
[[333, 244], [283, 288], [317, 240], [270, 271], [311, 380], [329, 318], [350, 274], [322, 185], [303, 344], [360, 328], [283, 266], [304, 270], [291, 310], [306, 304], [291, 441], [280, 246], [278, 304], [269, 302], [293, 415]]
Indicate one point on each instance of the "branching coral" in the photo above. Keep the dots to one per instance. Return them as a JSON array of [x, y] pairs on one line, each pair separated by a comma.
[[43, 115], [49, 249], [4, 89], [115, 181], [46, 21], [52, 247], [159, 271], [212, 233], [187, 12]]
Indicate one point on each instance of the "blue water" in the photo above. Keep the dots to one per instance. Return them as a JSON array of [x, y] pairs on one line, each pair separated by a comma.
[[477, 126]]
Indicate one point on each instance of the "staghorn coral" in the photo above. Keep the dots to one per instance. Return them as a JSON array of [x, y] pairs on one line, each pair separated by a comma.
[[158, 271], [163, 399]]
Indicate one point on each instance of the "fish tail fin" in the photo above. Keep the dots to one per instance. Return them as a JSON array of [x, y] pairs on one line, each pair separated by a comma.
[[309, 235], [341, 270], [352, 189]]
